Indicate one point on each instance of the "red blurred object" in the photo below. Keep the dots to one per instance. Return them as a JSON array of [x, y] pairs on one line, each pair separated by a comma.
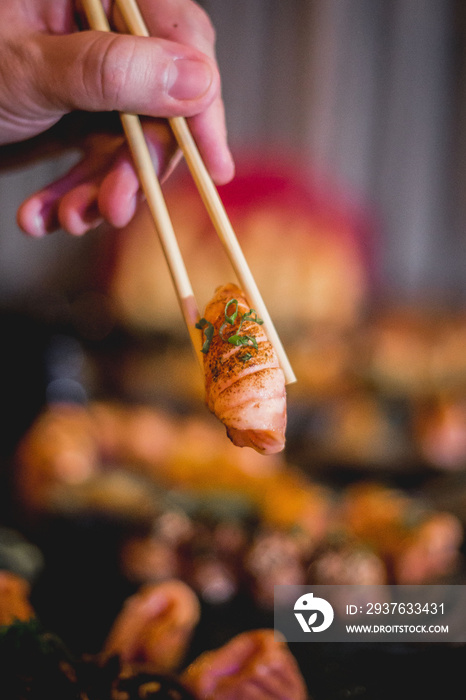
[[310, 248]]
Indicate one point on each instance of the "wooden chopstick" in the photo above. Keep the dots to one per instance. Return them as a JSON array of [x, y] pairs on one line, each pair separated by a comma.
[[150, 184], [209, 194], [130, 11]]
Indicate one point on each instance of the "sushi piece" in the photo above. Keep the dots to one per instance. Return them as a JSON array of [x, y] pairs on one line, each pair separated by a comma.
[[245, 386]]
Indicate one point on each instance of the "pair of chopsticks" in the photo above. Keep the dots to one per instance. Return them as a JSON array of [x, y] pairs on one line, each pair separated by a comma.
[[150, 184]]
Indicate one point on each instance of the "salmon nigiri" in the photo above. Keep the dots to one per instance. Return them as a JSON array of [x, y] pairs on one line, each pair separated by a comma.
[[245, 386]]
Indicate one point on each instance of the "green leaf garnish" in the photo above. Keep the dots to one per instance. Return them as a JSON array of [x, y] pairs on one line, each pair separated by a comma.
[[237, 340], [204, 325], [231, 318], [243, 340], [252, 316]]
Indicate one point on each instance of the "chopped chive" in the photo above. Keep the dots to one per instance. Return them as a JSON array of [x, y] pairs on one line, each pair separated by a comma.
[[243, 340], [204, 325], [231, 318], [251, 315]]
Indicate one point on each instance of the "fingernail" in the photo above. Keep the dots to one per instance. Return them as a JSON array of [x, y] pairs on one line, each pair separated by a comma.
[[38, 229], [188, 79]]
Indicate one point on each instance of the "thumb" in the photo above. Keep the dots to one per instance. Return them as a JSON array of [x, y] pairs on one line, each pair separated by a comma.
[[99, 71]]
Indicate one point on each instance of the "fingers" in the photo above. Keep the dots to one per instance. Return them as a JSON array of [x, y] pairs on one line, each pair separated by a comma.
[[209, 130], [78, 211], [98, 71], [147, 76], [69, 202], [118, 194], [171, 73], [79, 207], [103, 186]]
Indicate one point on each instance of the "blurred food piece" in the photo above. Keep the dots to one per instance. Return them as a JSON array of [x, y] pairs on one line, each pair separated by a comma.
[[143, 651], [14, 599], [227, 522], [154, 627], [254, 664], [418, 544], [343, 559], [440, 431], [188, 452]]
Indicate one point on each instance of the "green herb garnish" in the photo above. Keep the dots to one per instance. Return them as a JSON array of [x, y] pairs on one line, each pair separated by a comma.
[[237, 339], [243, 340], [204, 325], [251, 316], [229, 318]]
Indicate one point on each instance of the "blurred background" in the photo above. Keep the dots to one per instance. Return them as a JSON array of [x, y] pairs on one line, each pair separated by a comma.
[[348, 123], [370, 94]]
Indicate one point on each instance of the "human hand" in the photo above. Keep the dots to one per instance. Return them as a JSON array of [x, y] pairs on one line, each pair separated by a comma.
[[50, 69], [252, 666]]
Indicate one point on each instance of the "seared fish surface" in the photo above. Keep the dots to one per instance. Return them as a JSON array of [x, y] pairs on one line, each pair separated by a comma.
[[245, 386]]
